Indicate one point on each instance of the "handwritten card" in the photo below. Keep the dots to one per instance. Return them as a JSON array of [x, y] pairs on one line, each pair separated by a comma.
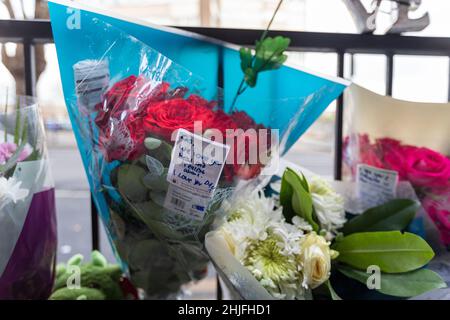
[[194, 171], [375, 186]]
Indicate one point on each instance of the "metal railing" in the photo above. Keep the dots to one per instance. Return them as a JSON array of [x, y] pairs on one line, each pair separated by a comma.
[[30, 33]]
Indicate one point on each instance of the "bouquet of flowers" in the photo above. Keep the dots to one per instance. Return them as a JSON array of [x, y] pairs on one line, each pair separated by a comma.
[[161, 200], [27, 204], [162, 153], [416, 153], [163, 147], [428, 172], [299, 242]]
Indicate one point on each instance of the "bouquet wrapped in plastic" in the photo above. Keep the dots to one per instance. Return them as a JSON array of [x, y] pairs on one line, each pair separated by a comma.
[[27, 203], [162, 149], [408, 138], [299, 238]]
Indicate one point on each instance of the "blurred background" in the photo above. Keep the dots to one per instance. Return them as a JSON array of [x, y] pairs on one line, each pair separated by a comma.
[[416, 78]]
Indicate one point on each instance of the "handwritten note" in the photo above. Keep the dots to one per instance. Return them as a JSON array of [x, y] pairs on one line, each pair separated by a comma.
[[375, 186], [194, 172]]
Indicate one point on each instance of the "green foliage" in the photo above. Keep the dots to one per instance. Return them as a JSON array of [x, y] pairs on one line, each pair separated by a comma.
[[393, 215], [296, 198], [269, 55], [391, 251], [408, 284], [130, 182]]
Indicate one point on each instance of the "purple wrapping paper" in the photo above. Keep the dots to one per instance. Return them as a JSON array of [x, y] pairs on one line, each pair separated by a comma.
[[30, 271]]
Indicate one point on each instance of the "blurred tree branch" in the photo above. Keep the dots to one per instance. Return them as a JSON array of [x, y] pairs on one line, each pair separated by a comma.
[[15, 64]]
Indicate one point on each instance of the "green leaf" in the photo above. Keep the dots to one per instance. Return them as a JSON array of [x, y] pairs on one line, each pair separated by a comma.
[[246, 58], [153, 216], [17, 125], [393, 215], [391, 251], [130, 182], [152, 143], [156, 182], [333, 293], [295, 198], [250, 77], [270, 53], [408, 284]]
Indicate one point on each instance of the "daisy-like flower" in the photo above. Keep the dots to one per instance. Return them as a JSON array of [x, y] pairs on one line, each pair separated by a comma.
[[328, 206], [276, 269], [10, 191], [258, 236], [246, 218]]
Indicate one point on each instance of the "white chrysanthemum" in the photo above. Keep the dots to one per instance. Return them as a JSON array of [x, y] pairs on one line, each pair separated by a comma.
[[246, 218], [328, 205], [259, 237], [10, 191]]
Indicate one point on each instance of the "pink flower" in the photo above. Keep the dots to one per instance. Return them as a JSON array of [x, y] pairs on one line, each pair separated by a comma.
[[7, 150], [426, 168], [437, 205], [393, 155]]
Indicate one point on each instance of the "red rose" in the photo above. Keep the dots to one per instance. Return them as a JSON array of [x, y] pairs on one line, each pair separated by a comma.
[[119, 117], [244, 149], [201, 102], [426, 168], [164, 117], [223, 121]]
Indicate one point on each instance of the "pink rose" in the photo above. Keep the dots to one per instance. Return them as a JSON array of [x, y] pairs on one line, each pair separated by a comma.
[[437, 205], [393, 155], [426, 168]]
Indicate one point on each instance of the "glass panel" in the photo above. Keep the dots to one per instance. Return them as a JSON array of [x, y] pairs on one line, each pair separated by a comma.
[[369, 71], [419, 78]]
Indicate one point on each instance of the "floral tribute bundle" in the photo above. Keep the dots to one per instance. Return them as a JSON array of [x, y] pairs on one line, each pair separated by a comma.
[[297, 242], [27, 204], [163, 147], [162, 152], [158, 225], [428, 172]]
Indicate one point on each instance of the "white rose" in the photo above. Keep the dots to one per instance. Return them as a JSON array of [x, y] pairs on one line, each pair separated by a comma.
[[316, 260]]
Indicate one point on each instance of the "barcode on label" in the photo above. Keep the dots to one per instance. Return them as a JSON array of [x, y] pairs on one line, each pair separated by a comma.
[[178, 203]]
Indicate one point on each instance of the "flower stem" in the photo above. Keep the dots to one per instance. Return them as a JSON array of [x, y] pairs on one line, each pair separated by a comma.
[[241, 89]]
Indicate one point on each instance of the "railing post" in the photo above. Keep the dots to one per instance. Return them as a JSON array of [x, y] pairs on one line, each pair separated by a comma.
[[29, 67], [94, 226], [339, 124], [389, 73]]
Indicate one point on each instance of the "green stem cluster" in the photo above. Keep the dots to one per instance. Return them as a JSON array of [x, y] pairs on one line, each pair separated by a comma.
[[243, 86]]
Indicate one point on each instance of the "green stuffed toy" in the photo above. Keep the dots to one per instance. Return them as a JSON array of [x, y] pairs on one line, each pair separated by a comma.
[[98, 280]]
